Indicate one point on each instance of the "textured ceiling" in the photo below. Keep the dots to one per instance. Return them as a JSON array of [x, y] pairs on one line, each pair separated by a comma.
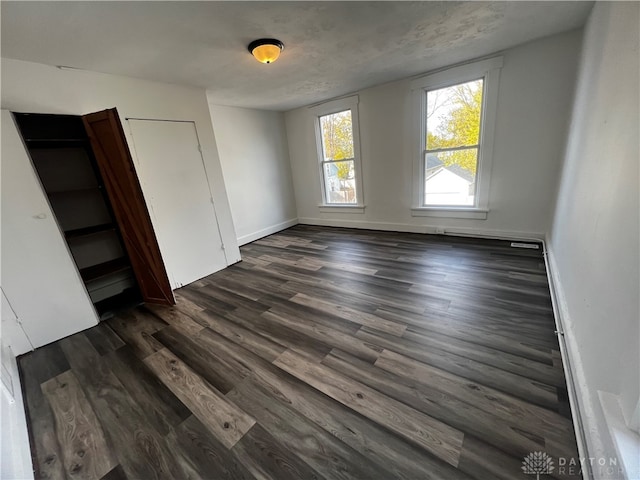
[[331, 48]]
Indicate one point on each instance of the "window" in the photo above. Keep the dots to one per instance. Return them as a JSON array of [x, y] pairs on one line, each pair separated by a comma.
[[456, 121], [336, 132], [453, 134], [339, 152]]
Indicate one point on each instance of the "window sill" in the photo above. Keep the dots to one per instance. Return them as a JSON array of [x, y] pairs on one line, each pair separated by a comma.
[[450, 212], [341, 208]]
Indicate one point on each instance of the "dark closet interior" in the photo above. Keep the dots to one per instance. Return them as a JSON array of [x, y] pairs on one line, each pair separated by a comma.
[[64, 160]]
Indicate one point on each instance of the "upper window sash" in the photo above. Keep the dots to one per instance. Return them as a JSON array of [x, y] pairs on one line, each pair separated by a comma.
[[482, 107]]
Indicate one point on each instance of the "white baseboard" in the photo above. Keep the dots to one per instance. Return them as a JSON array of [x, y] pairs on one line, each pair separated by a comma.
[[585, 423], [393, 227], [411, 228], [252, 237]]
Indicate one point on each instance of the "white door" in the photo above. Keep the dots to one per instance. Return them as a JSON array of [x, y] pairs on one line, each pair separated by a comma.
[[175, 186]]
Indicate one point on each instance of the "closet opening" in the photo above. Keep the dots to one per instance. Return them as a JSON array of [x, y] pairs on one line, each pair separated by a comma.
[[96, 219]]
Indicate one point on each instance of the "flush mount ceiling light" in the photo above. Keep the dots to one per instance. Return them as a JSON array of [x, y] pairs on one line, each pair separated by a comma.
[[266, 50]]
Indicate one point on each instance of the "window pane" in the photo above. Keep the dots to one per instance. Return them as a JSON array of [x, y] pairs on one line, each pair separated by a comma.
[[450, 177], [339, 182], [337, 136], [453, 115]]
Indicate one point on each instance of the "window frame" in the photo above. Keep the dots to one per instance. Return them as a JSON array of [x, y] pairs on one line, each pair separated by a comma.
[[489, 71], [328, 108]]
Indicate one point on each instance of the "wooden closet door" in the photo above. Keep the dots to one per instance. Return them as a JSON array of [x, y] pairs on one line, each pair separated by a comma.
[[123, 189]]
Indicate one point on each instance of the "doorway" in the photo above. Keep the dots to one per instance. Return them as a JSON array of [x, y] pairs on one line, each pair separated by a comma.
[[168, 156], [87, 174]]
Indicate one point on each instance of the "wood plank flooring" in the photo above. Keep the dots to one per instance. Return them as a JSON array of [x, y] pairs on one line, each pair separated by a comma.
[[325, 354]]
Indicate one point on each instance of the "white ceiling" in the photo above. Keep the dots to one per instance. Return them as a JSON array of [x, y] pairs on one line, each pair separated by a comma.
[[331, 48]]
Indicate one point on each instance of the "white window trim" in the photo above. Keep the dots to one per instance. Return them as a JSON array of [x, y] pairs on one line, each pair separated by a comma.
[[450, 212], [489, 70], [327, 108], [341, 208]]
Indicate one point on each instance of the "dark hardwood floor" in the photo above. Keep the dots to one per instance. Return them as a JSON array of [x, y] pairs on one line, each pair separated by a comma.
[[325, 354]]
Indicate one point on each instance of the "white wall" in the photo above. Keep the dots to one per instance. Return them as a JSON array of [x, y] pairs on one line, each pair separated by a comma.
[[15, 454], [535, 94], [594, 243], [255, 160], [39, 277], [48, 298]]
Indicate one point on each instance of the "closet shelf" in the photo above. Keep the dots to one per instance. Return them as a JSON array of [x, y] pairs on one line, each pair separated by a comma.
[[86, 231], [55, 142], [74, 190], [100, 270]]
